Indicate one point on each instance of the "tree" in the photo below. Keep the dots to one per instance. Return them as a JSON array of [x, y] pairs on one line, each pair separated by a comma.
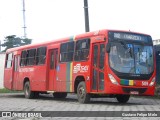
[[12, 41]]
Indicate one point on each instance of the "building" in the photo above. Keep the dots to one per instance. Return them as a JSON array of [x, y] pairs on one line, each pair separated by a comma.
[[2, 61], [156, 42]]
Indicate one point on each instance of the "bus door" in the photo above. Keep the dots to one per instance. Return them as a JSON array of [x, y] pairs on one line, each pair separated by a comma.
[[53, 58], [8, 72], [16, 72], [98, 57]]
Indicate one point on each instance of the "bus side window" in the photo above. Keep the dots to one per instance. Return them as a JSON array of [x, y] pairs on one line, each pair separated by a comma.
[[63, 52], [9, 60], [82, 50], [31, 57], [41, 56], [23, 58], [66, 52]]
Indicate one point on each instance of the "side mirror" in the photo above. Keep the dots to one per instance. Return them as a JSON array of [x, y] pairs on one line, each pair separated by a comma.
[[108, 46]]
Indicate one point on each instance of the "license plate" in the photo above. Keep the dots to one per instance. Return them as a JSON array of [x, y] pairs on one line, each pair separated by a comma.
[[134, 92]]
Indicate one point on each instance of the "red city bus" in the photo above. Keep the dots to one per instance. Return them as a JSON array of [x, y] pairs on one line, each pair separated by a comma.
[[105, 63]]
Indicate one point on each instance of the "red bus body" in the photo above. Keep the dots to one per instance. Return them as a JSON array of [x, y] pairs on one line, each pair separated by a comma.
[[61, 76]]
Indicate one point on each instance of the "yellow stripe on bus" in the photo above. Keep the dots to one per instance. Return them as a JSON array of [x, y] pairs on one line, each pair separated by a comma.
[[130, 82], [71, 70]]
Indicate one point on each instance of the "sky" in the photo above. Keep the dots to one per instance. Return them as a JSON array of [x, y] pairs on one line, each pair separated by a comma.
[[52, 19]]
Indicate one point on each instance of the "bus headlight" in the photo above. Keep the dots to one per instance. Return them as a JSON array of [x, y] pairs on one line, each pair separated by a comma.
[[112, 79], [152, 82]]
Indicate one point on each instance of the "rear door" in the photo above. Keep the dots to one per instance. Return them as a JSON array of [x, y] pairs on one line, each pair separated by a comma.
[[16, 72], [8, 72], [53, 58]]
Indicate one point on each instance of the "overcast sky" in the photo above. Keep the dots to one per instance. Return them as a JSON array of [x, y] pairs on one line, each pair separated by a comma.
[[52, 19]]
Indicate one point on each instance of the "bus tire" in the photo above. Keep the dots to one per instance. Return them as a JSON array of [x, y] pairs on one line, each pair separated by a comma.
[[83, 96], [60, 95], [27, 91], [123, 98]]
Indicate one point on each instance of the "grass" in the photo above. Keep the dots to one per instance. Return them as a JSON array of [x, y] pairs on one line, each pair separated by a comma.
[[4, 90]]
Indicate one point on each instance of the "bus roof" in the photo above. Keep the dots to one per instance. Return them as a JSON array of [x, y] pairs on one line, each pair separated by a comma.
[[80, 36]]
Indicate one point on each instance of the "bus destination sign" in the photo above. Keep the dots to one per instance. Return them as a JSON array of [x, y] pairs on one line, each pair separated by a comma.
[[129, 36]]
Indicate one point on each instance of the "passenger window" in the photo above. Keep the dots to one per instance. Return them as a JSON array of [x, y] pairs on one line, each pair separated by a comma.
[[31, 57], [9, 60], [66, 52], [23, 58], [82, 50], [41, 56]]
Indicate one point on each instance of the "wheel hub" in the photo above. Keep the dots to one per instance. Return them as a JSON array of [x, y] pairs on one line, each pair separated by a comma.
[[81, 92], [27, 90]]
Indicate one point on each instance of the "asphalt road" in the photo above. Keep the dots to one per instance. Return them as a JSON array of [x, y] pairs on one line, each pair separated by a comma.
[[17, 102]]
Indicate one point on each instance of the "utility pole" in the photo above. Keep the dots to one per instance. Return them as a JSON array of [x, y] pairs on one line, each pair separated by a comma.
[[86, 15], [24, 19]]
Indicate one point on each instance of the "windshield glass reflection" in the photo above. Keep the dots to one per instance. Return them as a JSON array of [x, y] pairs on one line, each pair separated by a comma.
[[130, 58]]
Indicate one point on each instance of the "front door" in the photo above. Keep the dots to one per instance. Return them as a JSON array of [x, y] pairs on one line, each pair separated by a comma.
[[98, 56], [53, 58]]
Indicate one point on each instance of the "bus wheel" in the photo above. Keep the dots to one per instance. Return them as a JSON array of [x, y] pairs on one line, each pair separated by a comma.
[[83, 96], [27, 91], [59, 95], [123, 98]]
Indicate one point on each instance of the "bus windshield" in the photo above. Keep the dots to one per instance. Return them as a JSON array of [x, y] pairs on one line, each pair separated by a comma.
[[131, 58]]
